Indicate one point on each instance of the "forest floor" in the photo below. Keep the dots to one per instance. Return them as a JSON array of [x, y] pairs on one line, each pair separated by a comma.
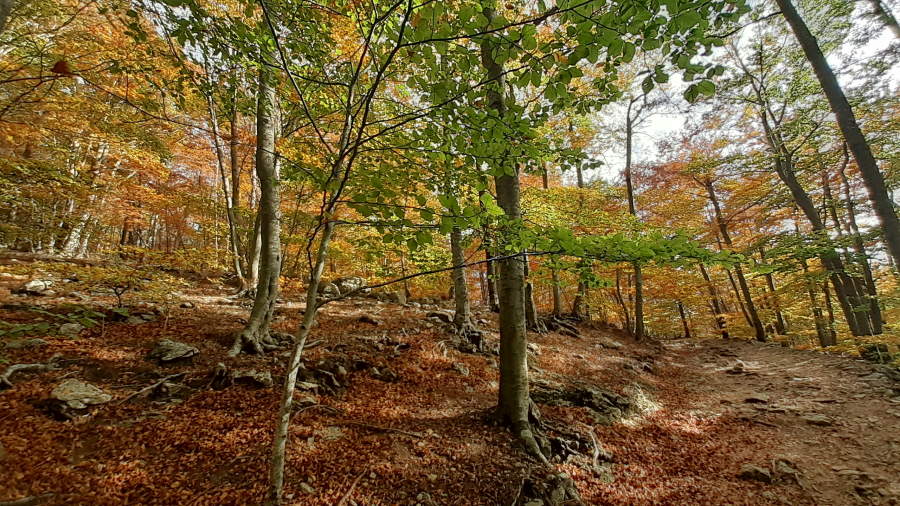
[[821, 429]]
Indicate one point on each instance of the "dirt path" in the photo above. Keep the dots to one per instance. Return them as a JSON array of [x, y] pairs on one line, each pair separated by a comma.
[[834, 419]]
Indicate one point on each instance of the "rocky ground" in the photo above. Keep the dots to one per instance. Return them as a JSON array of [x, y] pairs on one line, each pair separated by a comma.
[[391, 412]]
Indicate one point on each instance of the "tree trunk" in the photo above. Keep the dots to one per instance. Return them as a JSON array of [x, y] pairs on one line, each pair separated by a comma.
[[883, 13], [780, 326], [626, 324], [684, 322], [554, 272], [824, 333], [881, 201], [715, 303], [579, 305], [632, 209], [514, 400], [255, 336], [490, 275], [226, 192], [756, 323], [462, 318]]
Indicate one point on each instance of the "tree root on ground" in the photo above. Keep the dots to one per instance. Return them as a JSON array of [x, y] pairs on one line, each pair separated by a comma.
[[5, 378]]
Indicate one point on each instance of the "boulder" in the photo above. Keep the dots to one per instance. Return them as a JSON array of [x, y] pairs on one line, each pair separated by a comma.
[[253, 377], [350, 284], [71, 329], [37, 287], [398, 297], [168, 350], [750, 472], [329, 291], [440, 316], [610, 343], [461, 368], [73, 398], [817, 419]]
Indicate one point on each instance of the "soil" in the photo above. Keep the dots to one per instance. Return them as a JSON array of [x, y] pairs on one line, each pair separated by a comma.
[[824, 427]]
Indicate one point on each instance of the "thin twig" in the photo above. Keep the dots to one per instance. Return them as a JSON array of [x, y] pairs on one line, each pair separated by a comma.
[[352, 486]]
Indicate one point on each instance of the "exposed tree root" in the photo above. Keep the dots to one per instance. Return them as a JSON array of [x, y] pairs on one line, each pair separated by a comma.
[[5, 378]]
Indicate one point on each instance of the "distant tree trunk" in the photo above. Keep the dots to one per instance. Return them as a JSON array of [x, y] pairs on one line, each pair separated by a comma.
[[579, 305], [235, 159], [780, 326], [6, 7], [823, 331], [255, 336], [554, 272], [514, 401], [881, 201], [684, 322], [254, 252], [532, 319], [621, 300], [859, 247], [491, 278], [462, 318], [632, 209], [226, 192], [756, 323], [715, 303]]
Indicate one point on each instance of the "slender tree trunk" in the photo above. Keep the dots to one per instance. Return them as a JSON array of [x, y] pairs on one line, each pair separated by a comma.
[[255, 336], [532, 319], [514, 400], [780, 325], [881, 201], [226, 192], [755, 322], [621, 300], [684, 322], [715, 303], [490, 274], [632, 209], [462, 318], [554, 272], [579, 305], [860, 248], [823, 332]]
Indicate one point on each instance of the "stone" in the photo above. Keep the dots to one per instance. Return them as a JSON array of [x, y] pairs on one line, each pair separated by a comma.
[[135, 320], [253, 377], [329, 290], [610, 343], [461, 368], [306, 488], [757, 398], [350, 284], [187, 305], [534, 348], [440, 316], [368, 319], [77, 394], [751, 472], [37, 286], [817, 419], [20, 344], [168, 350], [71, 329], [307, 385]]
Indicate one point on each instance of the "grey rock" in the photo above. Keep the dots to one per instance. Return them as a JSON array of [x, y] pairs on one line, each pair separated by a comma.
[[350, 284], [135, 320], [77, 394], [461, 368], [71, 329], [757, 398], [534, 348], [329, 290], [37, 286], [168, 350], [750, 472], [817, 419], [20, 344], [306, 488], [439, 316], [610, 343], [253, 377], [187, 305]]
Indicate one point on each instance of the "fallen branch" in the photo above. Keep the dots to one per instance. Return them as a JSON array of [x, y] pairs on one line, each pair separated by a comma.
[[352, 486], [381, 429], [151, 387], [5, 381]]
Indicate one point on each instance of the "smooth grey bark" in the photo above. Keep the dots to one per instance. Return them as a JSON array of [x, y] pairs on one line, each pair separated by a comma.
[[879, 197], [514, 401], [462, 317], [756, 323], [885, 16], [255, 336], [579, 305], [554, 272]]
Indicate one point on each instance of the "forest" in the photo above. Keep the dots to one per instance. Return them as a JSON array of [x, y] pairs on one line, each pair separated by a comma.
[[462, 252]]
